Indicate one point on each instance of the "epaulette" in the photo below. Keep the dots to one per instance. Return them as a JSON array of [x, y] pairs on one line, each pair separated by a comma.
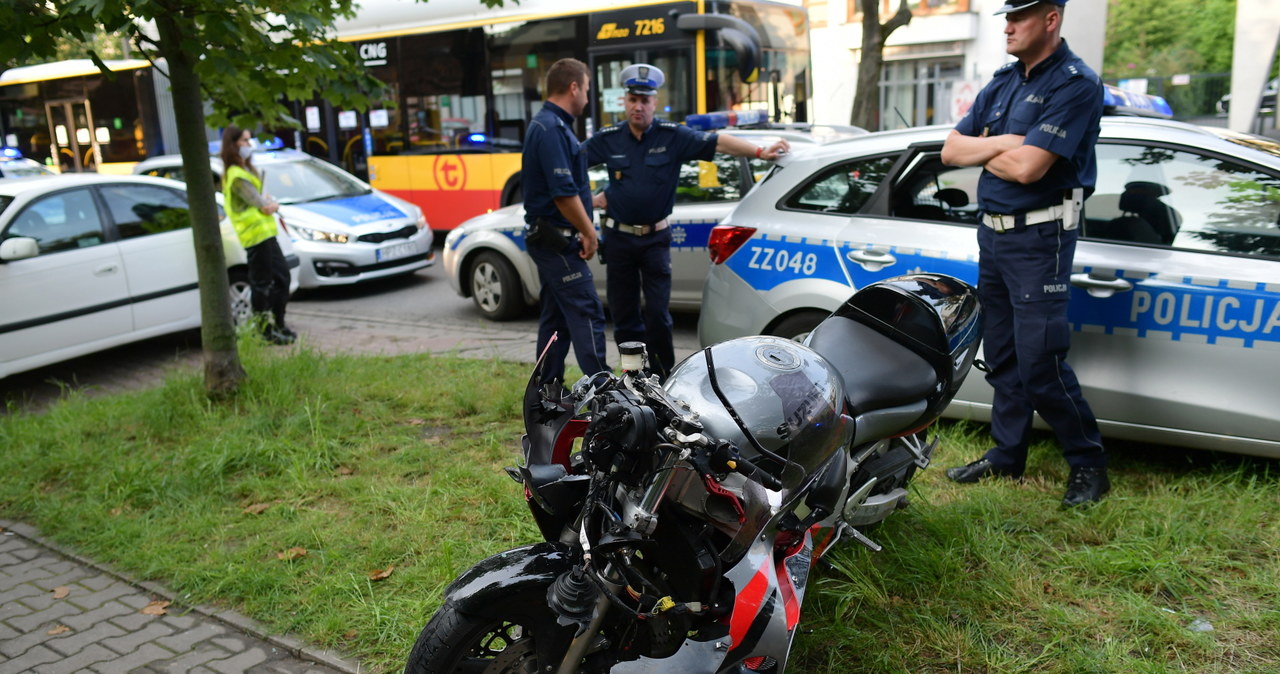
[[669, 125], [1074, 69], [612, 128], [1005, 68]]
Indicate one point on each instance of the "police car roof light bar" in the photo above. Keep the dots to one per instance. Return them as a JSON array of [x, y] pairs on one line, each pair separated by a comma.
[[1117, 101], [719, 120], [10, 153]]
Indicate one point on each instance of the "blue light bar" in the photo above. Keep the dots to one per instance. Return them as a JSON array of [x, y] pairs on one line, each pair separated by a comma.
[[10, 153], [719, 120], [477, 138], [1122, 102]]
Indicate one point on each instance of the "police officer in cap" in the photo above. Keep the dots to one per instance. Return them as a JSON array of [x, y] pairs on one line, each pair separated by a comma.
[[644, 155], [1033, 129]]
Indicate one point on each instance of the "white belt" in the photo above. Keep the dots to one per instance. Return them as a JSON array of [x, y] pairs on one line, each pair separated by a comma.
[[1003, 223], [639, 230]]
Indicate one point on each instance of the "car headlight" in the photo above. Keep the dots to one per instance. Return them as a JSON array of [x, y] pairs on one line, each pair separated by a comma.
[[319, 235]]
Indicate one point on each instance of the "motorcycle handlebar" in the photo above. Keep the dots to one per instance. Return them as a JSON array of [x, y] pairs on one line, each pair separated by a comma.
[[751, 471]]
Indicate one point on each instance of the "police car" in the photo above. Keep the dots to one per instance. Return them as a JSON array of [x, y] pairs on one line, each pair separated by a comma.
[[14, 165], [1175, 302], [89, 262], [343, 230], [485, 259]]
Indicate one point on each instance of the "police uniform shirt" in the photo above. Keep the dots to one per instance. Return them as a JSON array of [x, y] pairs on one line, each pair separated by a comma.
[[644, 172], [553, 165], [1057, 106]]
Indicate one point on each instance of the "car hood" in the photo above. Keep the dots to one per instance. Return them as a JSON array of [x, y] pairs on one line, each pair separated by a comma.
[[366, 212]]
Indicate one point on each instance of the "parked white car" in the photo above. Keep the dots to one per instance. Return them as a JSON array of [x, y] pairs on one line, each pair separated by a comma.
[[485, 257], [89, 262], [343, 230]]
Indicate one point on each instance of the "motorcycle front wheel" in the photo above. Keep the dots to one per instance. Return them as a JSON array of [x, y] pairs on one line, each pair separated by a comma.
[[500, 639]]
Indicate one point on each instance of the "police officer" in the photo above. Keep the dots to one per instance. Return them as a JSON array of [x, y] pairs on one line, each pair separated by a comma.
[[643, 156], [1033, 129], [559, 233]]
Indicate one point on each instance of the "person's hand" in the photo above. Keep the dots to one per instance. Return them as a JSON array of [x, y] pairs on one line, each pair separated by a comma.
[[599, 202], [776, 150], [271, 208], [589, 245], [1010, 141]]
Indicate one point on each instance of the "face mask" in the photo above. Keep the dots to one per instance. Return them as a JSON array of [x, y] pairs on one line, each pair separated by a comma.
[[246, 151]]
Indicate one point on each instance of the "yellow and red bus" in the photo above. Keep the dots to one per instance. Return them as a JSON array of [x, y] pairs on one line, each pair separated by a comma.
[[463, 80]]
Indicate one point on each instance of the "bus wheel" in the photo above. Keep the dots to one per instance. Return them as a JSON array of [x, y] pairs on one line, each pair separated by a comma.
[[513, 191]]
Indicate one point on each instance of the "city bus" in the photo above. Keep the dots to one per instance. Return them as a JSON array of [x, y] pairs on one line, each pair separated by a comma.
[[462, 81], [71, 116]]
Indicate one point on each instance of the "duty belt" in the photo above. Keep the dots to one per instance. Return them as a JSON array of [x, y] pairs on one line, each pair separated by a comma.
[[637, 230], [1002, 222]]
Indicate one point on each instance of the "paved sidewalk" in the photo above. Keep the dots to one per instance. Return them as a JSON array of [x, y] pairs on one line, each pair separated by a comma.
[[63, 614]]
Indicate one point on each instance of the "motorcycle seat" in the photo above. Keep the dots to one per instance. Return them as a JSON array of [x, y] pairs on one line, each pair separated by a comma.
[[878, 372]]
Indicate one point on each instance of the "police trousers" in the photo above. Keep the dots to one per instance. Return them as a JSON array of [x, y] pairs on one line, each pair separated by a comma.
[[571, 309], [642, 264], [1024, 283]]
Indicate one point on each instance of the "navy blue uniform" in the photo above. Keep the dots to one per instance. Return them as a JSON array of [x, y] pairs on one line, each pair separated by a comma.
[[1024, 273], [554, 165], [643, 175]]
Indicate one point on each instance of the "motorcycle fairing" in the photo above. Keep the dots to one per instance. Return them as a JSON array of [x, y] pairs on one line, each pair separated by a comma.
[[767, 609]]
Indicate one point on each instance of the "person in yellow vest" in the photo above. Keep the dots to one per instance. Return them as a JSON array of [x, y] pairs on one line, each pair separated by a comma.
[[252, 212]]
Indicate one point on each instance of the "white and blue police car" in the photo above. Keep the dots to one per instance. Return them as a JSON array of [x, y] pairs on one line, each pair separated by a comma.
[[14, 165], [343, 230], [1175, 298], [485, 259]]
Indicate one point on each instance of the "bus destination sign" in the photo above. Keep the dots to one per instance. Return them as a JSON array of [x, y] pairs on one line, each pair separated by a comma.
[[640, 24]]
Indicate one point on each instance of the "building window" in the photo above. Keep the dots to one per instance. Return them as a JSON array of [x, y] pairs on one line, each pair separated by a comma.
[[917, 92]]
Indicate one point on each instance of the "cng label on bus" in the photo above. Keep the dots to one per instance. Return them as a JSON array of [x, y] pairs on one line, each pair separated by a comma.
[[450, 172]]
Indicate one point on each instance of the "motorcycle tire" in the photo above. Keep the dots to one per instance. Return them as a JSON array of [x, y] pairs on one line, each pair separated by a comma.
[[501, 639]]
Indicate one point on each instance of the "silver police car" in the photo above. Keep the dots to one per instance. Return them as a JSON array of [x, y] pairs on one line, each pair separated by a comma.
[[485, 257], [1175, 302]]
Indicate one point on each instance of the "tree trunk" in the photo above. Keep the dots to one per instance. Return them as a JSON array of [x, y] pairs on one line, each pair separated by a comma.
[[222, 370], [866, 101]]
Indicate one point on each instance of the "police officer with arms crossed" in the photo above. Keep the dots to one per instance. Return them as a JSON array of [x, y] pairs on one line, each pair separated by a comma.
[[1033, 129], [557, 201], [644, 156]]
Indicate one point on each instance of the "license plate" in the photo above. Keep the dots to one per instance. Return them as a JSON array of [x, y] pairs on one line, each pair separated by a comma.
[[393, 252]]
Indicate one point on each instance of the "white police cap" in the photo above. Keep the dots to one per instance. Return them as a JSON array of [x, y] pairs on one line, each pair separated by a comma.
[[1016, 5], [642, 78]]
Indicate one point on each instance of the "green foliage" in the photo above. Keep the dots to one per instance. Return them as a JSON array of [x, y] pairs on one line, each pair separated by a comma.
[[1158, 38]]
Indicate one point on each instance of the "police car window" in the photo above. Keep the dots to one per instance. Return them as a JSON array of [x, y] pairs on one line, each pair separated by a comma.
[[62, 221], [139, 210], [707, 181], [937, 192], [1161, 196], [840, 189]]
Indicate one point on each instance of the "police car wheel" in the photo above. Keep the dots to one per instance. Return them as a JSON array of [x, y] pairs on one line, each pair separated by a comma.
[[495, 287], [797, 326], [240, 294]]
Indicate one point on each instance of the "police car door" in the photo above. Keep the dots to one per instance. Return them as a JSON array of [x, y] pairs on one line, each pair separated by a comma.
[[1176, 304]]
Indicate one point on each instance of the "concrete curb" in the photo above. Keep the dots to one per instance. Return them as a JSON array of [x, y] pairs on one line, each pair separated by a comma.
[[231, 619]]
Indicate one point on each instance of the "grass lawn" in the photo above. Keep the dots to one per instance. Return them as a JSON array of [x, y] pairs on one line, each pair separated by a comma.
[[327, 471]]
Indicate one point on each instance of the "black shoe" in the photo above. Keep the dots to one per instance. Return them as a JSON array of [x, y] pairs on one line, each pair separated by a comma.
[[1086, 484], [979, 469], [279, 338]]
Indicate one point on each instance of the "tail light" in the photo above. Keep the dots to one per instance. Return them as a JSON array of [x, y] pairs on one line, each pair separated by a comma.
[[725, 240]]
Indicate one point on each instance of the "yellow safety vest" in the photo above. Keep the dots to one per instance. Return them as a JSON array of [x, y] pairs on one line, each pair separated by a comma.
[[252, 225]]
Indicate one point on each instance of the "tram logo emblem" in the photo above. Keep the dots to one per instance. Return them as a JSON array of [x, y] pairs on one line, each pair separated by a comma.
[[450, 172]]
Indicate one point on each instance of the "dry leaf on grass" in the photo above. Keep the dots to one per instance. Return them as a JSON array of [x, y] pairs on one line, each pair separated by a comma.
[[257, 508], [292, 553], [343, 470], [58, 629], [350, 634], [61, 592], [383, 574], [417, 422], [156, 607]]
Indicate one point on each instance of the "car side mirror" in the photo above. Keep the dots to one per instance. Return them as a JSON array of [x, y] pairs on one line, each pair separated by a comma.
[[18, 248]]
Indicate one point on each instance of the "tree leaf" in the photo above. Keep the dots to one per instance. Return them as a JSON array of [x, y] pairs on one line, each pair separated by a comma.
[[382, 574], [258, 508], [156, 607], [61, 592], [292, 554], [58, 629]]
